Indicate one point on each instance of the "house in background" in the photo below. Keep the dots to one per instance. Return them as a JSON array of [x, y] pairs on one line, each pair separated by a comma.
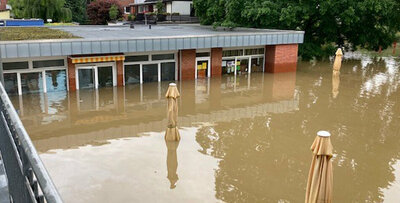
[[5, 10], [126, 5], [181, 7]]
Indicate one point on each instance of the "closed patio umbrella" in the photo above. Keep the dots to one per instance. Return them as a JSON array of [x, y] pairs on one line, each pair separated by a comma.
[[338, 60], [320, 177], [172, 133]]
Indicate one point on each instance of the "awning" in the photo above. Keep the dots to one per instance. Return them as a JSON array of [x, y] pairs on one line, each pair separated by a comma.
[[93, 59]]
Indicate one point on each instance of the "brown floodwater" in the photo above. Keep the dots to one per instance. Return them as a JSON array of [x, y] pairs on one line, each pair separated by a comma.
[[244, 139]]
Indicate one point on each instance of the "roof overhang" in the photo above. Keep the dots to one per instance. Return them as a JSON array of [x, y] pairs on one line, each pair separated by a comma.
[[66, 47]]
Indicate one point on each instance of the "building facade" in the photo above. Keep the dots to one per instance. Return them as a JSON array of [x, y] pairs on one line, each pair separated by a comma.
[[61, 65]]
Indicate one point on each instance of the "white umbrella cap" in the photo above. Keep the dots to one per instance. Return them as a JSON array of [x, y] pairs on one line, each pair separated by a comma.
[[323, 133], [172, 84]]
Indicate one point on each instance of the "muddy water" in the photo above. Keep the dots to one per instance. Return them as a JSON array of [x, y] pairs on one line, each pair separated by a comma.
[[244, 139]]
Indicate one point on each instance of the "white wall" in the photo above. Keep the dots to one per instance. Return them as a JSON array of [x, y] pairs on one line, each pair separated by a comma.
[[169, 7], [181, 7]]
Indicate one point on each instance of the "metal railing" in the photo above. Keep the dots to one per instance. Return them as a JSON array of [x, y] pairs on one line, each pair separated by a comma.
[[28, 179]]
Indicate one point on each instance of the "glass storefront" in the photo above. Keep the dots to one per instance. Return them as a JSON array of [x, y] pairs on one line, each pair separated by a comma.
[[11, 83], [56, 80], [257, 64], [86, 78], [228, 66], [202, 68], [31, 82], [105, 76], [132, 74], [242, 66], [150, 73], [168, 71]]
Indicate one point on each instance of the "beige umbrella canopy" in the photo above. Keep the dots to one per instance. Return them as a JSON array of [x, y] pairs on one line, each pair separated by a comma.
[[338, 60], [172, 133], [172, 162], [320, 177]]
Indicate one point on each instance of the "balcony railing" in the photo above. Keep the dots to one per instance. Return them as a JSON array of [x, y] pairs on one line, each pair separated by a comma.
[[28, 179]]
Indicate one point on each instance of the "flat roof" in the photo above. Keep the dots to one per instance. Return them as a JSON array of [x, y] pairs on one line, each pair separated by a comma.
[[122, 39]]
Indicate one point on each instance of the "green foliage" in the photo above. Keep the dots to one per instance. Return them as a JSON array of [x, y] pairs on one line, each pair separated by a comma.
[[160, 6], [113, 12], [131, 17], [43, 9], [350, 24], [78, 8], [32, 33]]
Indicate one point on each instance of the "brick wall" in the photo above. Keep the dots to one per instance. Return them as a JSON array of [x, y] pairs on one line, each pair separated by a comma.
[[120, 73], [216, 62], [281, 58], [187, 64], [71, 75], [3, 4]]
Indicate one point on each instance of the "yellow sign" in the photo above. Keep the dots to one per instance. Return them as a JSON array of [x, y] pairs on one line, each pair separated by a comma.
[[204, 66]]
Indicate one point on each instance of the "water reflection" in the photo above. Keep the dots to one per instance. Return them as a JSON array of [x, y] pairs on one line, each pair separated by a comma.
[[244, 138], [172, 162]]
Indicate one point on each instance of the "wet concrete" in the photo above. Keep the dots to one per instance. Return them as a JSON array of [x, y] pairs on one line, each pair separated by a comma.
[[244, 139]]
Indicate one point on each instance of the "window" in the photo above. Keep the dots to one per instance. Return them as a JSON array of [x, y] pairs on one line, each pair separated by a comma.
[[158, 57], [168, 71], [203, 54], [150, 73], [31, 82], [141, 10], [132, 74], [136, 58], [15, 65], [56, 80], [48, 63], [259, 51], [127, 9], [11, 83], [228, 53]]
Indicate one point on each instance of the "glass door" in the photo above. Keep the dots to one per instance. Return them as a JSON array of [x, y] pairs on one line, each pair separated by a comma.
[[242, 65], [86, 77], [150, 72], [105, 75], [202, 68]]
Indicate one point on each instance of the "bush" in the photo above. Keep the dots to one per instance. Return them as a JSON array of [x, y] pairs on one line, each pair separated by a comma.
[[131, 17], [99, 11], [175, 14]]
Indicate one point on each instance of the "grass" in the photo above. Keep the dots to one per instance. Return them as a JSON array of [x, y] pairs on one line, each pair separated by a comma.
[[32, 33]]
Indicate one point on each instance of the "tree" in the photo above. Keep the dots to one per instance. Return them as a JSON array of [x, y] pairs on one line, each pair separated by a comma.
[[160, 7], [113, 12], [327, 23], [78, 8], [99, 11], [43, 9]]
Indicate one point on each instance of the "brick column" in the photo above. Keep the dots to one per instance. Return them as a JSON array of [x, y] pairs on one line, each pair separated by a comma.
[[216, 62], [71, 75], [120, 73], [281, 58], [187, 64]]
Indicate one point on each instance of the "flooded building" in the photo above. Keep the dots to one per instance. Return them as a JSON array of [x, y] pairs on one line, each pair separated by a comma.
[[117, 56]]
